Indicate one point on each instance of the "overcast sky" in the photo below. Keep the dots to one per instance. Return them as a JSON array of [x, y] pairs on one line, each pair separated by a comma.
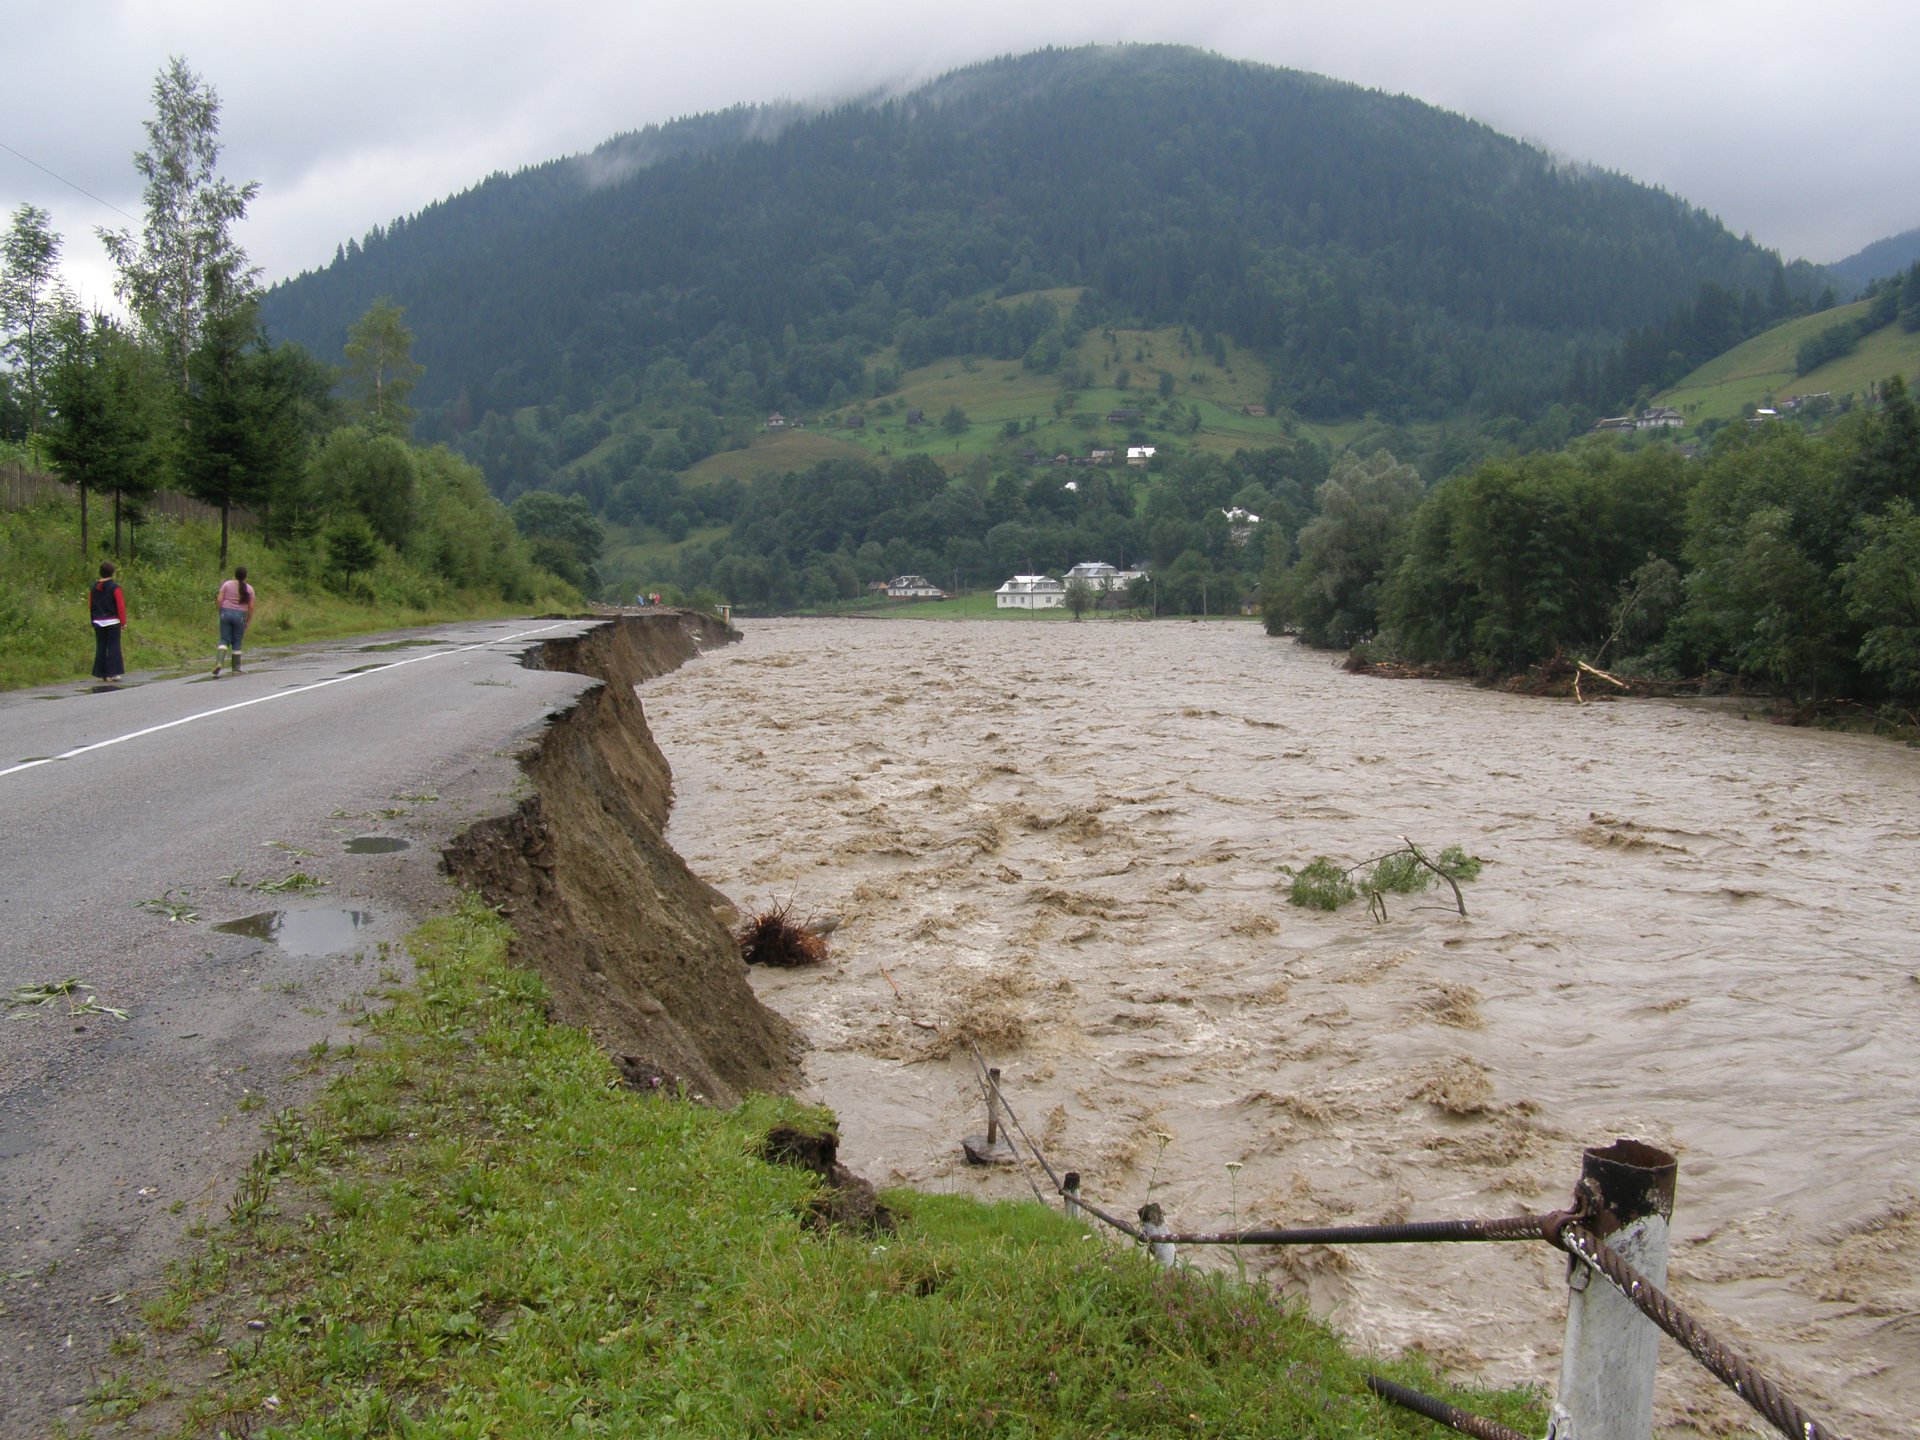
[[1795, 124]]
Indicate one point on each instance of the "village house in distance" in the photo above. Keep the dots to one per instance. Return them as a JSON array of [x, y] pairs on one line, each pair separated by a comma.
[[1660, 417], [1043, 592], [1031, 592], [913, 587]]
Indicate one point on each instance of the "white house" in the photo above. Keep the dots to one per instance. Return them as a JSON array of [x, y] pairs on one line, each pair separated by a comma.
[[1031, 592], [1096, 573], [1102, 576], [1139, 454], [914, 587]]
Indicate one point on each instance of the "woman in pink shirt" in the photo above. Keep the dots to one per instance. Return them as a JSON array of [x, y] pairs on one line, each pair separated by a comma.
[[236, 609]]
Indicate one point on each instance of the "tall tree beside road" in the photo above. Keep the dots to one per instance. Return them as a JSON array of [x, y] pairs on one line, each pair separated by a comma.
[[99, 433], [564, 534], [381, 370], [32, 297], [186, 266], [253, 413]]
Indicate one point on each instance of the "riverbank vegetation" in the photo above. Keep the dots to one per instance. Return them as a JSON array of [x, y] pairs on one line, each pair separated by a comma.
[[1780, 560], [478, 1230]]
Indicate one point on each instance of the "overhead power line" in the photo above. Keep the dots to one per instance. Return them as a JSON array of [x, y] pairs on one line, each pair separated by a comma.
[[68, 183]]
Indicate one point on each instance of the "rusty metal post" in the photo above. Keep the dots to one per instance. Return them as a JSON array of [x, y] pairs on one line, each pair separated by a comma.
[[992, 1148], [1612, 1350]]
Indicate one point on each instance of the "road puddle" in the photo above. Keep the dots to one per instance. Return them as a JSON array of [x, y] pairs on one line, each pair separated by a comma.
[[375, 845], [303, 932]]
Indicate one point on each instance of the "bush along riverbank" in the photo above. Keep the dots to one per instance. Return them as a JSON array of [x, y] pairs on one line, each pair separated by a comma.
[[479, 1230]]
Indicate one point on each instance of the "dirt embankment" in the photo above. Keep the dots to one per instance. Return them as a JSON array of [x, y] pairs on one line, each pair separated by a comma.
[[624, 934]]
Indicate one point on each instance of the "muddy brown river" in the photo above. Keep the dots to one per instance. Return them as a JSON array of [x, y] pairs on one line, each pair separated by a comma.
[[1067, 843]]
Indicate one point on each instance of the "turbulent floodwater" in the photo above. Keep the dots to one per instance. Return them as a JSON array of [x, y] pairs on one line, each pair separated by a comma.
[[1066, 842]]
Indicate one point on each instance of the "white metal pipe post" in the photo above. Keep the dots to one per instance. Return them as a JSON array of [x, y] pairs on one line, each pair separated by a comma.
[[1612, 1350]]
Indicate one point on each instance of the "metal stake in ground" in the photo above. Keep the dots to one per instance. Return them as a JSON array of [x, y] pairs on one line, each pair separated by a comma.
[[1607, 1369], [990, 1148]]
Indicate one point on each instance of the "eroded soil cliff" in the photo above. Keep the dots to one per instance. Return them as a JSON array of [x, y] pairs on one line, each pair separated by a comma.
[[624, 934]]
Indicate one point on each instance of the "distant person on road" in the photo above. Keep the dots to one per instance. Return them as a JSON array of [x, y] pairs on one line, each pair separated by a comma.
[[107, 606], [236, 609]]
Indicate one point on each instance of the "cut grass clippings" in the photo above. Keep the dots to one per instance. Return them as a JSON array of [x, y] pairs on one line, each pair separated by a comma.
[[69, 990], [477, 1231]]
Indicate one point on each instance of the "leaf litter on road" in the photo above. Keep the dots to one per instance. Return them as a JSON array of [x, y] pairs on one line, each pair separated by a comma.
[[47, 991]]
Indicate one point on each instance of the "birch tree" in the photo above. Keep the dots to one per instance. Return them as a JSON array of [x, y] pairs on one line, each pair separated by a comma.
[[32, 298], [185, 267], [381, 370]]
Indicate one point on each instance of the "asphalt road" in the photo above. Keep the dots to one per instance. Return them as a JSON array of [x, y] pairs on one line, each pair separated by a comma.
[[188, 792]]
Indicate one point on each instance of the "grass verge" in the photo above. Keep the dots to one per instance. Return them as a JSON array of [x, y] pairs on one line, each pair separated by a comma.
[[477, 1231], [170, 581]]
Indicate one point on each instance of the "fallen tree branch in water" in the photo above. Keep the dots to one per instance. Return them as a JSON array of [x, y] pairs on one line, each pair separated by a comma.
[[1580, 667], [1323, 884]]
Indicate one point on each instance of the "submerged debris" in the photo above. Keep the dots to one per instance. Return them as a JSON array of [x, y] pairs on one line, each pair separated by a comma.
[[773, 937]]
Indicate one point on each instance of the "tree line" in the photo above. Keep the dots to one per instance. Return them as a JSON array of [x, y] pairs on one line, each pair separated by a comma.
[[187, 393], [1779, 558], [812, 537]]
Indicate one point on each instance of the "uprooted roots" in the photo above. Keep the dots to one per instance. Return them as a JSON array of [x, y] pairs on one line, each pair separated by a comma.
[[774, 938]]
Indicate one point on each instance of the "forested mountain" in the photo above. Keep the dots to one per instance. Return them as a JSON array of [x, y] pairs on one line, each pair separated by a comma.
[[1878, 260], [1378, 254]]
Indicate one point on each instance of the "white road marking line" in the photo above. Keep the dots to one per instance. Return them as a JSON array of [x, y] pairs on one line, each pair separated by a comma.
[[276, 695]]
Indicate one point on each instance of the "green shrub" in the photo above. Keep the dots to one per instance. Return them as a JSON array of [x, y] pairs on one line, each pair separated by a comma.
[[1322, 885]]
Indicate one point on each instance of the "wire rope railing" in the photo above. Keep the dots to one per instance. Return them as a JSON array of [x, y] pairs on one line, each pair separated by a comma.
[[1623, 1190]]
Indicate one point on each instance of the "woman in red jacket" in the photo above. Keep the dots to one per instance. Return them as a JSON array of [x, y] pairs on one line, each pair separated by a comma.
[[107, 607]]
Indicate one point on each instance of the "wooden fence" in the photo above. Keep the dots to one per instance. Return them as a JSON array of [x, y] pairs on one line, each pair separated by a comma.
[[21, 487]]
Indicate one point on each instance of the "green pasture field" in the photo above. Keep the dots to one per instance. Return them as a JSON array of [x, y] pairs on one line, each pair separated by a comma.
[[1760, 372]]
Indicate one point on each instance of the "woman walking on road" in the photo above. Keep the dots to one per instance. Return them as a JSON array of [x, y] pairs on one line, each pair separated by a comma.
[[107, 607], [236, 609]]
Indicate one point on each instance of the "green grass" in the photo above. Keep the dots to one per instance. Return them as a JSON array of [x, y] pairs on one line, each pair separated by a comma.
[[170, 580], [1760, 371], [476, 1231], [773, 452]]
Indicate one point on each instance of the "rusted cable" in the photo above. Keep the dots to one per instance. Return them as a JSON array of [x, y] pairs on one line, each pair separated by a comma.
[[1564, 1229], [1726, 1364], [1516, 1227], [1452, 1416]]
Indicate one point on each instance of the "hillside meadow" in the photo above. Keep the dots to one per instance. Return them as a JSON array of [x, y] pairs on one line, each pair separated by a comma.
[[1761, 372]]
